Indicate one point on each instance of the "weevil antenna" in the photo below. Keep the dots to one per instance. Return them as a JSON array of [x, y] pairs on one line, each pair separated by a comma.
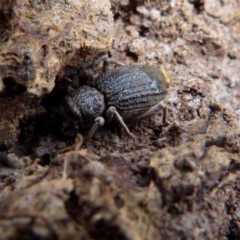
[[109, 61]]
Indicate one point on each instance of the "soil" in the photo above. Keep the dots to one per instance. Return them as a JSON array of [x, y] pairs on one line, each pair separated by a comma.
[[179, 181]]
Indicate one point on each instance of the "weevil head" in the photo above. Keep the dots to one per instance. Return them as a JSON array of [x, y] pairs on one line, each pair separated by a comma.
[[84, 105]]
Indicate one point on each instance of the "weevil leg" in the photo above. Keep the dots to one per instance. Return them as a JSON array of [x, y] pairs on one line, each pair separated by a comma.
[[68, 79], [155, 109], [108, 61], [99, 122], [102, 56], [112, 112], [76, 146]]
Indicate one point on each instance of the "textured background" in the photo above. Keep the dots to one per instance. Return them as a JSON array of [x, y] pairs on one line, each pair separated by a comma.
[[180, 182]]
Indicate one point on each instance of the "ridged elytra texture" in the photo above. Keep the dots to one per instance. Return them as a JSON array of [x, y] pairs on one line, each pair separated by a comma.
[[132, 90]]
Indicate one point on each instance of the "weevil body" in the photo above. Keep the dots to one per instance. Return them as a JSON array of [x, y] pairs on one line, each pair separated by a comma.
[[126, 93], [132, 90]]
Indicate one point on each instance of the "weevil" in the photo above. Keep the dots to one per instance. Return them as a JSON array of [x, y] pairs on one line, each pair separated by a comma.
[[123, 94]]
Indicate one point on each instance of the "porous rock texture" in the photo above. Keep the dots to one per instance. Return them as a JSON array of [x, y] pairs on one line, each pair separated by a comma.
[[180, 181], [38, 38]]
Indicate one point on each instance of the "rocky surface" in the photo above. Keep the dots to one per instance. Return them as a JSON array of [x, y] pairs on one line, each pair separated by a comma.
[[38, 38], [180, 181]]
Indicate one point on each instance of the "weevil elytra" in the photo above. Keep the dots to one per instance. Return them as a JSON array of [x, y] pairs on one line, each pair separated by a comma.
[[123, 94]]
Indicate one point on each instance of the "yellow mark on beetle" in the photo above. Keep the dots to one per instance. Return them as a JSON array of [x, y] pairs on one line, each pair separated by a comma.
[[166, 76]]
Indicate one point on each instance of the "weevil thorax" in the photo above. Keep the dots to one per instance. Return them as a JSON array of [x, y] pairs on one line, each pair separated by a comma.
[[84, 105]]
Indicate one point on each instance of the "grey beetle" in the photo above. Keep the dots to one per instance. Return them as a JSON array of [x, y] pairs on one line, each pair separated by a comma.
[[125, 94]]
